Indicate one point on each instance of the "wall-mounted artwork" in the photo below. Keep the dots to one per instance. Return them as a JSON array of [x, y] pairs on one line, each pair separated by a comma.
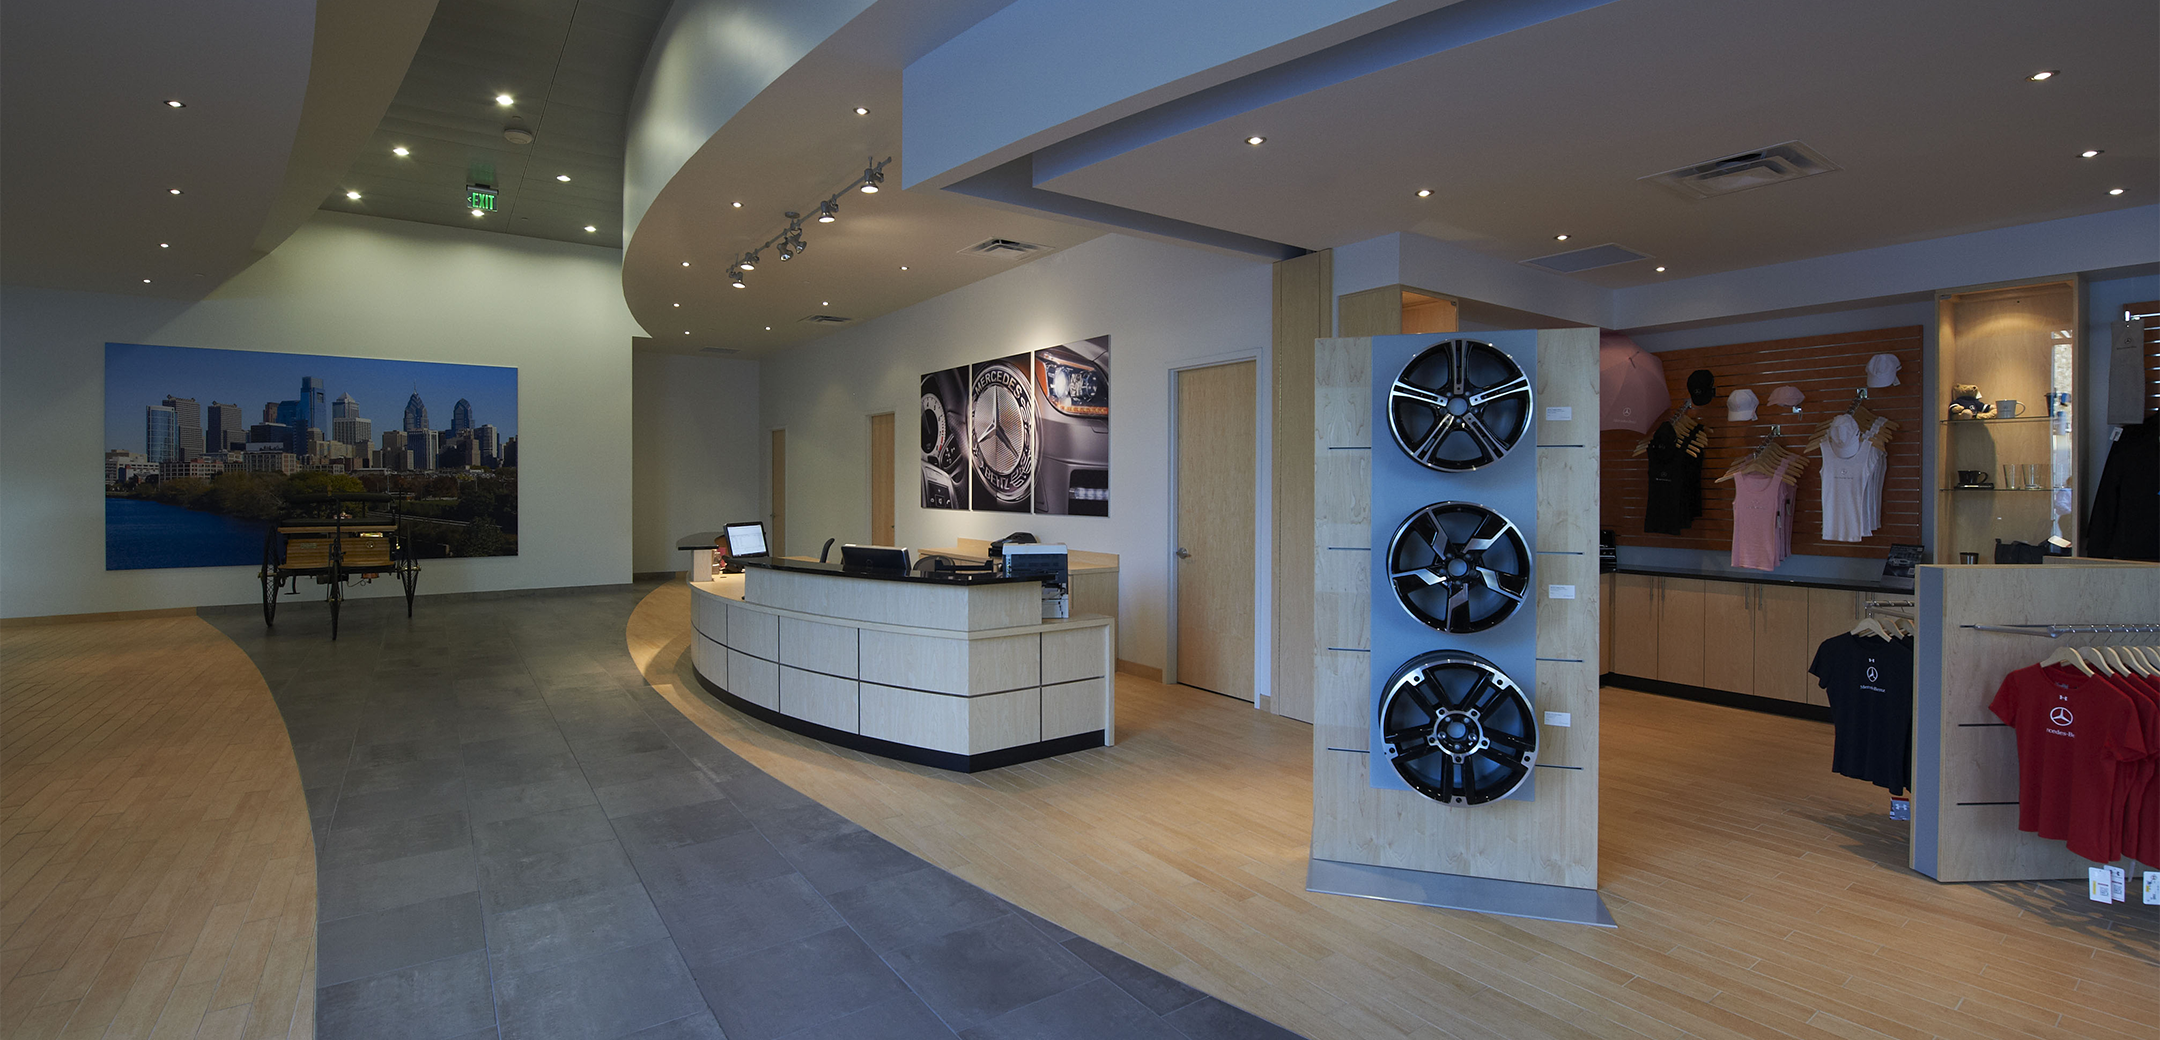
[[1029, 433], [205, 449]]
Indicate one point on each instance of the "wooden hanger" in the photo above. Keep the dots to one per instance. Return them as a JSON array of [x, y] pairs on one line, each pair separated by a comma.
[[2114, 661], [2135, 660], [2067, 656], [1684, 426], [1765, 459], [1871, 626], [2091, 655]]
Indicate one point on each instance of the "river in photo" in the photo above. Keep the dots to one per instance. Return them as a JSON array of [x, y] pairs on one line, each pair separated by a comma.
[[140, 534]]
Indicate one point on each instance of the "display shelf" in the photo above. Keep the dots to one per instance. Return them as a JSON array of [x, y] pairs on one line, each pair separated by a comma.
[[2016, 343], [1997, 422], [2001, 489]]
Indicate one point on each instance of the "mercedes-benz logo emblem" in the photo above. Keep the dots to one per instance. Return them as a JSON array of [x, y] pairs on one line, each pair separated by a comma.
[[1873, 675], [2061, 716], [1001, 434]]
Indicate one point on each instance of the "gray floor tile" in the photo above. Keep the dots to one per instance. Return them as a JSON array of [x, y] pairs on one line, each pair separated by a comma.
[[493, 724], [725, 922], [701, 1026], [426, 799], [345, 891], [599, 997], [510, 882], [1161, 993], [1058, 933], [757, 792], [609, 770], [368, 944], [903, 1019], [488, 772], [850, 860], [681, 825], [795, 985], [321, 802], [396, 775], [675, 875], [666, 791], [1211, 1019], [542, 832], [394, 839], [976, 974], [914, 907], [438, 1000], [404, 752], [544, 742], [615, 742], [1087, 1012], [548, 935], [323, 761], [509, 803]]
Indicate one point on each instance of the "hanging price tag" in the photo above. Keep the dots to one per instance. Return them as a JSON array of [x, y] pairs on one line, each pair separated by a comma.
[[2099, 887], [2118, 880]]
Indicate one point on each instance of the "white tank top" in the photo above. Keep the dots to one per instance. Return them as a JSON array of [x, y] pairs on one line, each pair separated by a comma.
[[1852, 474]]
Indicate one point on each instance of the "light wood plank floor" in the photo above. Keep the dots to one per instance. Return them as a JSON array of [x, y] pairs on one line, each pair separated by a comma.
[[1758, 895], [157, 877]]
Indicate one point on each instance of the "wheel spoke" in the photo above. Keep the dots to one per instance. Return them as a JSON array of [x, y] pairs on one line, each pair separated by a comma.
[[1509, 741], [1483, 698], [1493, 582], [1459, 367], [1411, 391], [1486, 442], [1420, 694], [1512, 765], [1517, 385], [1488, 533], [1443, 424]]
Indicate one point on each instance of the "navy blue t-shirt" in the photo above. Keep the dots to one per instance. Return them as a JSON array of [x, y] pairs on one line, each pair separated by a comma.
[[1870, 685]]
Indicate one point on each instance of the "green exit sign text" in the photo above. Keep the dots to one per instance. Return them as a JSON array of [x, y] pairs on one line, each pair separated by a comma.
[[480, 198]]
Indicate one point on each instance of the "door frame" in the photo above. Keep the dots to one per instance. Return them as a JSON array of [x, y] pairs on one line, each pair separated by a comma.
[[1263, 518]]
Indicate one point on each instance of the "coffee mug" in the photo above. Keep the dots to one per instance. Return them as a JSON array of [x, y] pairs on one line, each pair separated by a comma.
[[2006, 409]]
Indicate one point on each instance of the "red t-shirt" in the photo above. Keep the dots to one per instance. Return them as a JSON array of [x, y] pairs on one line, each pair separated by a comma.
[[2141, 804], [2074, 732]]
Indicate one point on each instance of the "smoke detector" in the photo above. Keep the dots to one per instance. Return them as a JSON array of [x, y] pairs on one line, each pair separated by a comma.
[[1742, 171], [517, 135]]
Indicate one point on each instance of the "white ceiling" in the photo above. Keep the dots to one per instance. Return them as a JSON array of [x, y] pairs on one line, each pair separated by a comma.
[[1544, 131]]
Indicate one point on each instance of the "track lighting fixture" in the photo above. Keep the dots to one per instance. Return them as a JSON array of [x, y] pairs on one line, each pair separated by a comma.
[[788, 243], [748, 262], [828, 211], [873, 175], [737, 281]]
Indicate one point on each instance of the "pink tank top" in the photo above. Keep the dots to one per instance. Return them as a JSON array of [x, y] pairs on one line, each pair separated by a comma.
[[1762, 519]]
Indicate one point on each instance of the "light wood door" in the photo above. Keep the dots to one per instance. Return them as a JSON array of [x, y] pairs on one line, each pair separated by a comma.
[[776, 537], [1782, 650], [1680, 630], [1217, 460], [1635, 625], [1728, 636], [881, 479]]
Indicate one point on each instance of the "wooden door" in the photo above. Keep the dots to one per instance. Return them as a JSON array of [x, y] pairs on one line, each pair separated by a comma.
[[1217, 468], [881, 479], [776, 537], [1729, 636]]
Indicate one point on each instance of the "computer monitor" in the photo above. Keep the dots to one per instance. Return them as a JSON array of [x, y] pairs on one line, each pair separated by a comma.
[[747, 539], [878, 558]]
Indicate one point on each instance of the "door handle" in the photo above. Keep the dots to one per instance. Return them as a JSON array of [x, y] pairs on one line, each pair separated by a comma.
[[1183, 553]]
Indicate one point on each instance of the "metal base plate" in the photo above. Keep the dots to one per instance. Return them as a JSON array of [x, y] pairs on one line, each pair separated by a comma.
[[1457, 892]]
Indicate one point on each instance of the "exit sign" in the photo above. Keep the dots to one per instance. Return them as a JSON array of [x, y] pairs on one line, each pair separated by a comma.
[[478, 197]]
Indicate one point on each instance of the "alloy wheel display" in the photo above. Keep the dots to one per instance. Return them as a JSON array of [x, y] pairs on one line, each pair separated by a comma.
[[1457, 729], [1459, 567], [1461, 405]]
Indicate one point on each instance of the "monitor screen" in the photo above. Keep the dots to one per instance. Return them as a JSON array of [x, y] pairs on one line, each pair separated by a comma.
[[746, 539], [874, 558]]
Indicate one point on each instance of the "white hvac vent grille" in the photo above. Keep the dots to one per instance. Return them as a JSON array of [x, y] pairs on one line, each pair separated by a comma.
[[1005, 248], [1778, 163], [824, 319], [1575, 261]]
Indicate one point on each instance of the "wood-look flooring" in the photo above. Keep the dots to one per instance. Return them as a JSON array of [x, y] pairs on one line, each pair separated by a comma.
[[157, 878], [1757, 894]]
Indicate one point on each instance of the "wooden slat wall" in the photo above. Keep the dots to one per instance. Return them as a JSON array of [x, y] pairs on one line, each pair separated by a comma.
[[1829, 370], [2149, 313]]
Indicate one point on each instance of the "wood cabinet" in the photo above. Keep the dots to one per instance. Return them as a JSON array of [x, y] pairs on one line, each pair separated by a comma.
[[1781, 648], [1605, 622], [1680, 630], [1734, 636], [1728, 636], [1635, 649]]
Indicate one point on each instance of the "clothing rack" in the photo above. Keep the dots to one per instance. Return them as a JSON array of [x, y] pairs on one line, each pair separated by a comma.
[[1894, 607], [2059, 630]]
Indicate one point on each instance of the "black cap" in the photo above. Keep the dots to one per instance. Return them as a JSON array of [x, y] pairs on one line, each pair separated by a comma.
[[1701, 386]]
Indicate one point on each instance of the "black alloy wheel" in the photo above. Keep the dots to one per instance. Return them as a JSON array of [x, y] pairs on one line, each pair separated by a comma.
[[1459, 406], [1457, 729], [1459, 567]]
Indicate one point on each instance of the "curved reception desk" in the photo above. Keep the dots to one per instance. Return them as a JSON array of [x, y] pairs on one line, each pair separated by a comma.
[[957, 674]]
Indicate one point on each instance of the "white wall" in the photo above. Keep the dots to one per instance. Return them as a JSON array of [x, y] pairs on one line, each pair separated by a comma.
[[1162, 306], [698, 453], [349, 286]]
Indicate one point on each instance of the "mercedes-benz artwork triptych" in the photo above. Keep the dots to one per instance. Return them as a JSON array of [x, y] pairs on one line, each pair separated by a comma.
[[1028, 433], [1454, 509]]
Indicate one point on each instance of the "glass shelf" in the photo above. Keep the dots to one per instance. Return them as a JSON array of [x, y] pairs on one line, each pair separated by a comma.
[[1993, 422]]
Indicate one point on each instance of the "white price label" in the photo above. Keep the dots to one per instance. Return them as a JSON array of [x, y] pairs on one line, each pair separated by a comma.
[[2099, 887], [1560, 413], [1561, 718], [2118, 881], [2152, 888], [1560, 592]]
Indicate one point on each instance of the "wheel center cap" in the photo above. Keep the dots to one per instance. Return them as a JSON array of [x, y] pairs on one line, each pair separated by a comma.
[[1458, 733], [1458, 406], [1457, 567]]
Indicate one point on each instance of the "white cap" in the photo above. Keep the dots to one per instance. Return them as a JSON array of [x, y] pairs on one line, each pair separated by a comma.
[[1740, 407], [1882, 370]]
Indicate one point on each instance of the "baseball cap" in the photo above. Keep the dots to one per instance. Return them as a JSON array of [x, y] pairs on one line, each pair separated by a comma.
[[1789, 396], [1701, 386], [1740, 407], [1882, 370]]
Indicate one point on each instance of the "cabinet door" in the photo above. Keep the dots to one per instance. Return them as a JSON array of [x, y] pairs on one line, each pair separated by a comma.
[[1606, 608], [1782, 650], [1728, 636], [1829, 612], [1635, 625], [1680, 630]]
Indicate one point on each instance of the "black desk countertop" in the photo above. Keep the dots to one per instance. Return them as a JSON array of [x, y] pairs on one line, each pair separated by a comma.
[[1842, 585], [936, 578]]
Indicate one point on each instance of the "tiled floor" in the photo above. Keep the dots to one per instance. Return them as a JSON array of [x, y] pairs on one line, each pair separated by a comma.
[[518, 837]]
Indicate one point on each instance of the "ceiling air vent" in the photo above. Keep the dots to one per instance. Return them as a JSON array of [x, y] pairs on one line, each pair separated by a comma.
[[1005, 248], [1576, 261], [824, 319], [1779, 162]]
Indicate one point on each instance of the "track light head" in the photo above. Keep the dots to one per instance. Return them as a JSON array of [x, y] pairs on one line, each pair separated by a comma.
[[738, 281], [828, 211], [748, 262], [872, 176]]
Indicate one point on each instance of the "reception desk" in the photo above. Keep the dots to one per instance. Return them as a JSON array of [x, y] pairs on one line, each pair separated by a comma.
[[961, 675]]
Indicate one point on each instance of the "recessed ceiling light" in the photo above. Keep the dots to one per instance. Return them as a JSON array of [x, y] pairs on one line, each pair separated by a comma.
[[146, 281], [2089, 153], [170, 103], [353, 195], [563, 177], [768, 328], [2042, 75], [2115, 191], [903, 267], [479, 212], [505, 99], [172, 191], [686, 263], [861, 111], [164, 245], [1424, 193], [1661, 270], [686, 332], [737, 205], [401, 151], [824, 303], [590, 228], [1559, 238], [678, 305], [1256, 139]]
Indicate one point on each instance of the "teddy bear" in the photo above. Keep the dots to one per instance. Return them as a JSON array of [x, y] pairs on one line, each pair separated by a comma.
[[1966, 403]]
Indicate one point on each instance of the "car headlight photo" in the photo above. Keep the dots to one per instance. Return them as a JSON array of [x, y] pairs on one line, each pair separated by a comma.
[[1072, 386]]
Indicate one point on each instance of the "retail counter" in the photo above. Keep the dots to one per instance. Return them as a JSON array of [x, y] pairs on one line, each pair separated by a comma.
[[958, 674]]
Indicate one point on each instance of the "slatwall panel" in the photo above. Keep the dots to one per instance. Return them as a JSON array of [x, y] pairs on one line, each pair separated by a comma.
[[1828, 369], [2149, 313]]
